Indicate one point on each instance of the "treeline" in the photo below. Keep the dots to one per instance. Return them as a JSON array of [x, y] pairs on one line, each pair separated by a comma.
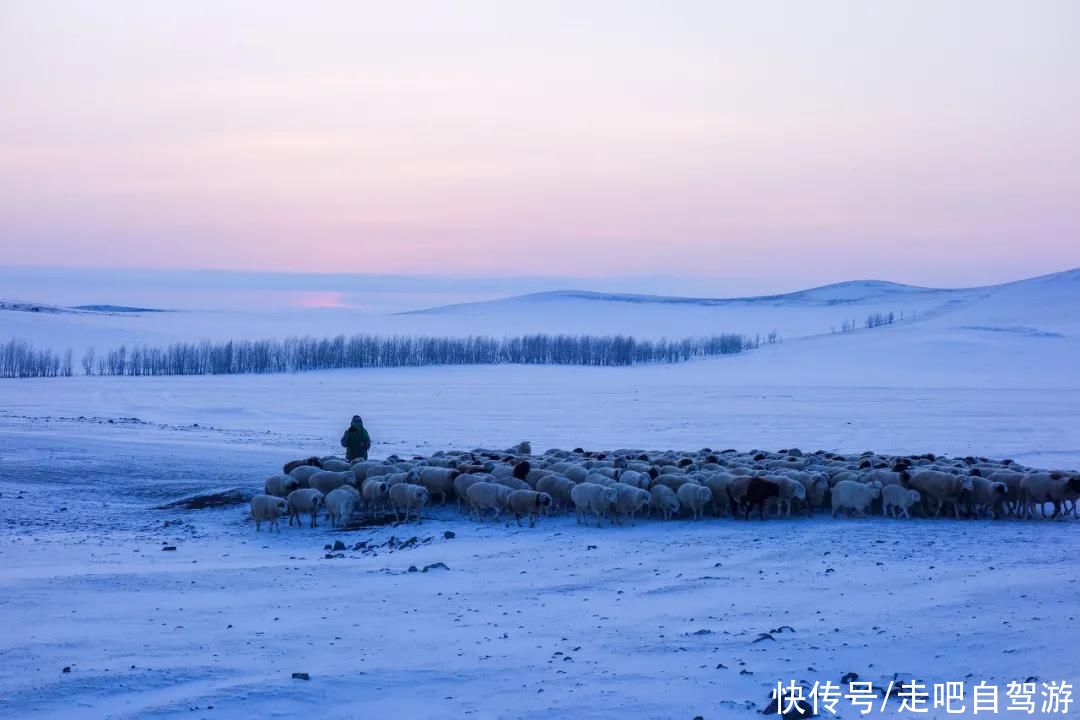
[[873, 320], [235, 357], [20, 359]]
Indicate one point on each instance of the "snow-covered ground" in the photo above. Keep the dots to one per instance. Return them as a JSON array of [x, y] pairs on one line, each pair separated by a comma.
[[657, 620]]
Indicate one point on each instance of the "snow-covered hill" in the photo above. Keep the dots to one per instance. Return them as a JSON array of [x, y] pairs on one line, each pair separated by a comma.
[[1020, 334]]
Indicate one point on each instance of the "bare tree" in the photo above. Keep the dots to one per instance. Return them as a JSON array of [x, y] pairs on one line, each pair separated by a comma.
[[88, 361]]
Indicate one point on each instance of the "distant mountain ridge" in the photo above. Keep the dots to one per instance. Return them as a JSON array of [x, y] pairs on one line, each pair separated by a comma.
[[841, 293]]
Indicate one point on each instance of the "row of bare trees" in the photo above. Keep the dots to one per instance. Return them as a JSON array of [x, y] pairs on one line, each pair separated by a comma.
[[369, 351], [873, 320], [20, 359]]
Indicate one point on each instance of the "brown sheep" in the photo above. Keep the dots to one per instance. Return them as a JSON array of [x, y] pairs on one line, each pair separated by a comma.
[[313, 461], [757, 492]]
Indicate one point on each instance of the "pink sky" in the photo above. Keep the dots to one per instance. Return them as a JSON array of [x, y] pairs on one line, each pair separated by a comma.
[[921, 142]]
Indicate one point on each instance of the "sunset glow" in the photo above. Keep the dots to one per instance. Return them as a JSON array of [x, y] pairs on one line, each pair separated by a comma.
[[808, 141]]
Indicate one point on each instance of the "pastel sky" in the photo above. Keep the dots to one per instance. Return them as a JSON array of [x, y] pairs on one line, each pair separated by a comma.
[[919, 141]]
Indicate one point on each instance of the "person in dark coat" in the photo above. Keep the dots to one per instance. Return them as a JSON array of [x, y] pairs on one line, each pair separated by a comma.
[[356, 440]]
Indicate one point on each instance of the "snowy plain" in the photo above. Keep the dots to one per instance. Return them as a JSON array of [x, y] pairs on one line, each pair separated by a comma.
[[655, 621]]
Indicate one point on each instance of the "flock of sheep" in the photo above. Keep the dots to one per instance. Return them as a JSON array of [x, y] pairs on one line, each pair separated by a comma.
[[622, 484]]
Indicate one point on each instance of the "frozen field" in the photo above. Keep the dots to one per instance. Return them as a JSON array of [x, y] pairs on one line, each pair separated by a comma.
[[560, 621], [653, 621]]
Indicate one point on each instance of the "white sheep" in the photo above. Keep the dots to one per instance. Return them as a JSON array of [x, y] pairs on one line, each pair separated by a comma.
[[513, 483], [854, 496], [816, 484], [577, 473], [411, 477], [305, 500], [1012, 480], [340, 505], [694, 497], [717, 483], [672, 480], [559, 487], [629, 501], [988, 496], [897, 500], [280, 485], [790, 490], [463, 482], [484, 496], [268, 507], [536, 473], [941, 487], [736, 491], [885, 477], [303, 472], [335, 464], [663, 499], [408, 499], [638, 479], [527, 502], [377, 470], [1039, 488], [843, 475], [593, 498], [438, 481], [375, 493], [327, 480]]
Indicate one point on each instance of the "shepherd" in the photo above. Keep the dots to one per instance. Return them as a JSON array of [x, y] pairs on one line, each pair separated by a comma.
[[356, 440]]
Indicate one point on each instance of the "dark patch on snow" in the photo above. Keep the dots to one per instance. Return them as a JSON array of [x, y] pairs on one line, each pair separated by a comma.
[[435, 566], [1014, 330], [213, 499], [117, 309]]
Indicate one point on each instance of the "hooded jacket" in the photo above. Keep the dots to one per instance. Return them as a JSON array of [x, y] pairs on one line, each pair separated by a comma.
[[356, 441]]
